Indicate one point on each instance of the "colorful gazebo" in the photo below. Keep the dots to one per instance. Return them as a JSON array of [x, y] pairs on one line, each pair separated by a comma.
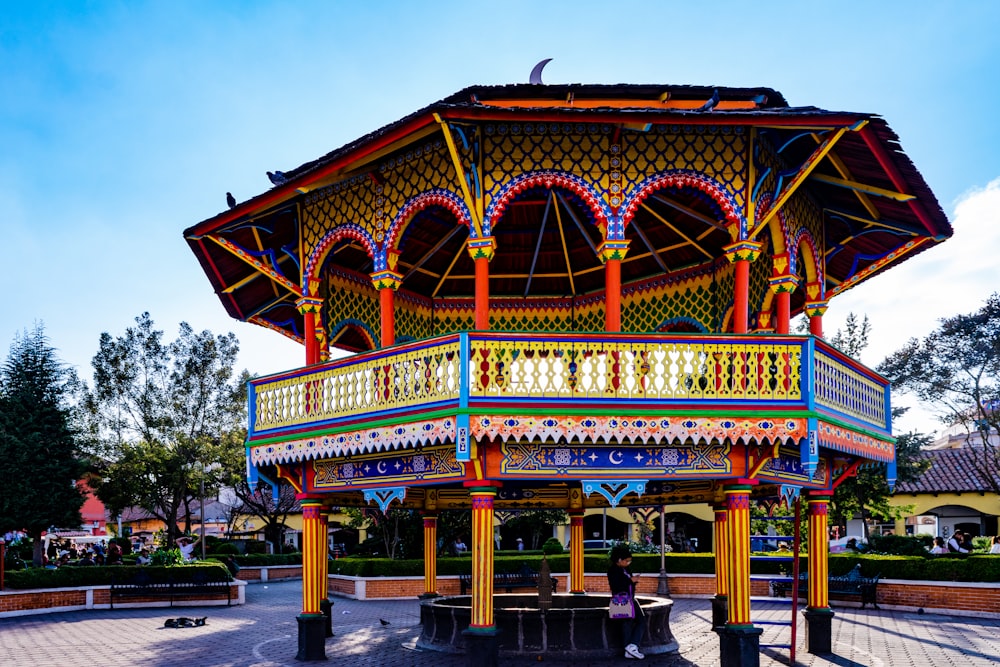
[[573, 296]]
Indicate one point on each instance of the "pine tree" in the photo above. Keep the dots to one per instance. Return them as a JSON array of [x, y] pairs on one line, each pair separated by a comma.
[[38, 446]]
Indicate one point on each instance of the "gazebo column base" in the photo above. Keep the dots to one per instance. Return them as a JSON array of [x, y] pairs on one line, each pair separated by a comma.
[[482, 648], [312, 642], [326, 608], [819, 633], [739, 645], [720, 610]]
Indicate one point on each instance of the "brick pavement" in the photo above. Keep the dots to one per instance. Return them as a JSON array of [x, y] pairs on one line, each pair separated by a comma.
[[263, 633]]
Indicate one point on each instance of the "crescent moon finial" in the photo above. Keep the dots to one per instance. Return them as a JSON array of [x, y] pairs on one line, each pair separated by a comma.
[[536, 72]]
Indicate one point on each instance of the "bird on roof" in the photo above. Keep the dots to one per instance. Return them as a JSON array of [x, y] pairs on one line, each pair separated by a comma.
[[231, 200], [712, 101], [277, 177]]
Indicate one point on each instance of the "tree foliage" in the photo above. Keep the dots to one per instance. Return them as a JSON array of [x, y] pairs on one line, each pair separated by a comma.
[[867, 494], [955, 373], [162, 417], [38, 445]]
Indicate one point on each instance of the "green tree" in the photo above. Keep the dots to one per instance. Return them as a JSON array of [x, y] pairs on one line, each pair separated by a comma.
[[534, 526], [867, 494], [162, 416], [955, 373], [38, 445]]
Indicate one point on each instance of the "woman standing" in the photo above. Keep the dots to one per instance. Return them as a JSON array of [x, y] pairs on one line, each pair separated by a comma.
[[622, 581]]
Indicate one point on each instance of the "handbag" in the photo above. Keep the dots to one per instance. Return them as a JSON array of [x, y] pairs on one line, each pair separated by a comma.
[[621, 606]]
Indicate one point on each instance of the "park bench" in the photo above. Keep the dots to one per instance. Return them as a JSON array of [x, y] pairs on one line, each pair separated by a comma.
[[845, 586], [525, 577], [140, 584]]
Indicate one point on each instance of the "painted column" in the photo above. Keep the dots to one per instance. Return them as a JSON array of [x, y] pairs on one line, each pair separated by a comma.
[[720, 611], [576, 585], [325, 605], [741, 254], [819, 616], [481, 251], [430, 555], [310, 308], [783, 286], [482, 647], [387, 282], [739, 639], [816, 307], [312, 639], [611, 253]]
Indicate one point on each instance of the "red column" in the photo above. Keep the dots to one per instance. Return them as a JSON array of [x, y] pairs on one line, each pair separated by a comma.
[[387, 282], [611, 253], [783, 286], [721, 551], [481, 251], [430, 556], [816, 306], [310, 309], [741, 254], [576, 582]]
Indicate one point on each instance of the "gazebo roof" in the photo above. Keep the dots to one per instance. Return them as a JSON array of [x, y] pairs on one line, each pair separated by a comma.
[[866, 225]]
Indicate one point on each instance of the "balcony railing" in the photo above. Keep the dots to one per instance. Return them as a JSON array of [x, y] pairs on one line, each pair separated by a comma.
[[481, 371]]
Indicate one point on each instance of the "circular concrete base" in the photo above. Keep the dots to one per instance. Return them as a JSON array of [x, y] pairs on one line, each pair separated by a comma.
[[576, 625]]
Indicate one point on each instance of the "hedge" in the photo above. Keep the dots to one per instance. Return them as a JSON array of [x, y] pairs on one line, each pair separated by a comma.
[[71, 576]]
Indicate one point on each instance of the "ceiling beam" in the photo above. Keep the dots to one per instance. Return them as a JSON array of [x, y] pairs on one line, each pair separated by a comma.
[[675, 230], [690, 211], [861, 187]]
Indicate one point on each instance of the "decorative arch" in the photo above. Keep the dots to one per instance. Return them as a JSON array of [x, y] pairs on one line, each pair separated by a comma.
[[310, 279], [437, 197], [549, 179], [357, 325], [671, 323], [804, 250], [681, 178]]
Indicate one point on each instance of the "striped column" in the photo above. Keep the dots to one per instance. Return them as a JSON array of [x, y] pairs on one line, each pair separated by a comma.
[[576, 552], [313, 568], [430, 555], [738, 532], [482, 559], [324, 589], [819, 548], [721, 551]]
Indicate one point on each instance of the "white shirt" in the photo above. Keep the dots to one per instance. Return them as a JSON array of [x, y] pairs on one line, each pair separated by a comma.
[[956, 545], [187, 550]]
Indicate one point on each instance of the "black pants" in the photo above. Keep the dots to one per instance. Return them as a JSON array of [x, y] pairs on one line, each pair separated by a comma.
[[633, 629]]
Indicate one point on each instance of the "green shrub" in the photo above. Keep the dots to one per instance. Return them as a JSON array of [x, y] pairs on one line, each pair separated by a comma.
[[166, 557], [71, 576], [552, 546], [265, 560], [225, 549], [900, 545]]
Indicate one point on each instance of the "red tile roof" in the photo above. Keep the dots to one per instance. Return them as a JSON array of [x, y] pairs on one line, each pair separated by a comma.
[[951, 471]]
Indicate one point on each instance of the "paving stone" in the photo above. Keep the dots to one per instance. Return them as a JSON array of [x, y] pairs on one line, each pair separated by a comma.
[[263, 633]]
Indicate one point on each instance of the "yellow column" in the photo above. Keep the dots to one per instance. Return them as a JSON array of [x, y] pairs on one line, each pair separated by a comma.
[[312, 554], [312, 635], [721, 552], [430, 555], [324, 589], [482, 560], [738, 534], [576, 552], [819, 548]]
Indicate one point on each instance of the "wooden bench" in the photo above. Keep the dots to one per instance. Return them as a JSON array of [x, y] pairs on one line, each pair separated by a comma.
[[139, 584], [525, 577], [845, 586]]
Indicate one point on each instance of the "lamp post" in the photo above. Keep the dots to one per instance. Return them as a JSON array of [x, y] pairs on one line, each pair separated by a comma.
[[662, 586], [202, 511]]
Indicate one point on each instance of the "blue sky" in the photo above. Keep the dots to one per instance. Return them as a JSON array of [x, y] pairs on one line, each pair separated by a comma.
[[123, 123]]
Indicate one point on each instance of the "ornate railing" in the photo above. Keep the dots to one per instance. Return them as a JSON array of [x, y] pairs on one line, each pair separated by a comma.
[[656, 371]]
